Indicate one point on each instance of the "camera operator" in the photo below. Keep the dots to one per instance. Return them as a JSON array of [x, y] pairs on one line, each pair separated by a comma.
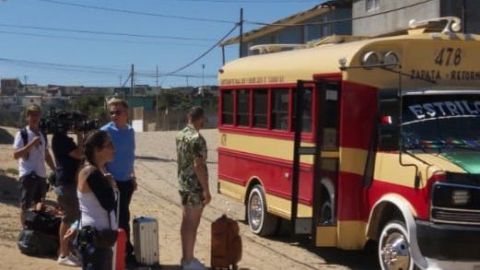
[[68, 156]]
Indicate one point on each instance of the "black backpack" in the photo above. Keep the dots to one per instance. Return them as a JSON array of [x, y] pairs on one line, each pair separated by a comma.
[[35, 243], [42, 222], [24, 135]]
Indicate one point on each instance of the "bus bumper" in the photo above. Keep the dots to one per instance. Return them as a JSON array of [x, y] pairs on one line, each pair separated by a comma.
[[449, 246]]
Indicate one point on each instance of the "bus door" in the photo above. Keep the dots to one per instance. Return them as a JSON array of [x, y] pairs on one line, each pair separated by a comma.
[[325, 153]]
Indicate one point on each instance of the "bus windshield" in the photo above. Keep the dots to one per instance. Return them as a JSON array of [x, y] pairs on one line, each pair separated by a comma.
[[441, 122]]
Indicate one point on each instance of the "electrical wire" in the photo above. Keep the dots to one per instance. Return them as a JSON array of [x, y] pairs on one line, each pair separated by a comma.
[[117, 41], [338, 20], [102, 32], [251, 1], [89, 69], [125, 11], [205, 53]]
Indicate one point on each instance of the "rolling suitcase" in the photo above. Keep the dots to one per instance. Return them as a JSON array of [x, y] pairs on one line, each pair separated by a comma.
[[145, 240], [226, 244]]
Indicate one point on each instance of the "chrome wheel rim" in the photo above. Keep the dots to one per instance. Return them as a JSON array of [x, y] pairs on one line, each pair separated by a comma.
[[394, 251], [255, 211]]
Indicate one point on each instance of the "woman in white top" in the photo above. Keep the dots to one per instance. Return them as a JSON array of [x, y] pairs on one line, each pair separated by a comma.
[[96, 200]]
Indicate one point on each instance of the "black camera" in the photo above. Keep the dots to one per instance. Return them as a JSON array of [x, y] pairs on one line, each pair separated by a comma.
[[64, 121]]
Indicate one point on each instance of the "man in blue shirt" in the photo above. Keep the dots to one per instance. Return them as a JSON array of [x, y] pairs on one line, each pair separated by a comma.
[[121, 167]]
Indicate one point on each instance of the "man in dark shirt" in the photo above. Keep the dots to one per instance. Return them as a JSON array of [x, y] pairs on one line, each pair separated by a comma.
[[68, 157]]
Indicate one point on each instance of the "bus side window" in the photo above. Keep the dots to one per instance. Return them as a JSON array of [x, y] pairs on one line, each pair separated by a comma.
[[330, 132], [227, 107], [243, 107], [260, 108], [307, 110], [280, 99]]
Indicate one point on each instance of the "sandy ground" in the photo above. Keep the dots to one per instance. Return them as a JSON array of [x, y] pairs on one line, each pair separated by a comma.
[[157, 196]]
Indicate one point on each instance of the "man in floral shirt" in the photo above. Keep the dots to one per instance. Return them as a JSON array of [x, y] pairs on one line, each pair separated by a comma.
[[193, 183]]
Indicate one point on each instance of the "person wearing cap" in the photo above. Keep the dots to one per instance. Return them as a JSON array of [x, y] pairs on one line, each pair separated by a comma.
[[32, 153], [193, 183]]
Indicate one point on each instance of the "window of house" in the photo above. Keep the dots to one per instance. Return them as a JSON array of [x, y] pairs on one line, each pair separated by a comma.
[[307, 110], [372, 5], [227, 107], [280, 98], [260, 108], [326, 27], [243, 108]]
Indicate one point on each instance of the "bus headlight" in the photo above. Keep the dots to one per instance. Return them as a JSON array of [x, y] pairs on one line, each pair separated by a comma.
[[460, 197], [390, 59], [370, 58]]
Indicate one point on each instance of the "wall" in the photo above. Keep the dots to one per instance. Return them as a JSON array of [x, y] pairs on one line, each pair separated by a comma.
[[305, 33], [392, 21]]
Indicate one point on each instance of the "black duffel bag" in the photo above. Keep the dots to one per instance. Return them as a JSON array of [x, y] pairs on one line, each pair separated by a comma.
[[35, 243], [41, 221]]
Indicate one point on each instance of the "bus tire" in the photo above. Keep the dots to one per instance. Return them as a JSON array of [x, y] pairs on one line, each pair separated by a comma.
[[394, 248], [259, 220]]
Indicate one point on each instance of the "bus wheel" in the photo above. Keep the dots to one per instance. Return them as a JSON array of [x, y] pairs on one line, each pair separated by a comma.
[[260, 221], [394, 248]]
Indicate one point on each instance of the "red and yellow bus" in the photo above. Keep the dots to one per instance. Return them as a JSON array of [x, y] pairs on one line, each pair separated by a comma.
[[356, 141]]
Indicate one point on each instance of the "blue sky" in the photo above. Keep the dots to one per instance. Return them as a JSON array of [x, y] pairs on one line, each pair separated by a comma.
[[24, 37]]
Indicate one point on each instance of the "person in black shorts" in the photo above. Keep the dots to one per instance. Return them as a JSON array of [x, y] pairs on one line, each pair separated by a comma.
[[68, 156], [31, 151]]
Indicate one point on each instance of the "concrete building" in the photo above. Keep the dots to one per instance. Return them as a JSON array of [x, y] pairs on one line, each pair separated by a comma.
[[308, 26], [380, 17], [10, 87]]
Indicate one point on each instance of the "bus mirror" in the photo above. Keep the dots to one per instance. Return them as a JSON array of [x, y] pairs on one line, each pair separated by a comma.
[[386, 120]]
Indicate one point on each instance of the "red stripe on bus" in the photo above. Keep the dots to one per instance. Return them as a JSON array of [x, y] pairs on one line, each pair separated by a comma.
[[239, 167]]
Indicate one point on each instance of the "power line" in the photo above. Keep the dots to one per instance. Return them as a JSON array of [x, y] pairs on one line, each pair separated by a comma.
[[85, 68], [205, 53], [118, 41], [252, 1], [101, 32], [338, 20], [152, 75], [142, 13]]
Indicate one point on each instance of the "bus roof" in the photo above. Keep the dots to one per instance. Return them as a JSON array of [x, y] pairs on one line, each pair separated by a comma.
[[418, 50]]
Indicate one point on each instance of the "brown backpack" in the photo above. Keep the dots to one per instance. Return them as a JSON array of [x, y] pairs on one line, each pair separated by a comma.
[[226, 249]]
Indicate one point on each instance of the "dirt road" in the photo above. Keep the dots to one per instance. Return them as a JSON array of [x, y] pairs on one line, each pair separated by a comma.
[[157, 196]]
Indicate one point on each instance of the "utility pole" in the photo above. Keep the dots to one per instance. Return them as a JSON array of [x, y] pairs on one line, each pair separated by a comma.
[[464, 16], [157, 76], [203, 75], [121, 81], [240, 55], [132, 83], [25, 88], [223, 55]]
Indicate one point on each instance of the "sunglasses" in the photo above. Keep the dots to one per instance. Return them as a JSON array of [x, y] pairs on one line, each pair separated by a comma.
[[117, 112]]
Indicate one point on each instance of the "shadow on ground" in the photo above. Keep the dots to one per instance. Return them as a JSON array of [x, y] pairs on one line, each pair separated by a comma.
[[150, 158], [365, 259], [9, 190], [173, 267], [5, 137]]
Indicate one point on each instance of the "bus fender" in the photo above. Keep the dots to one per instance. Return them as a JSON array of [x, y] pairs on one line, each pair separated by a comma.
[[408, 212]]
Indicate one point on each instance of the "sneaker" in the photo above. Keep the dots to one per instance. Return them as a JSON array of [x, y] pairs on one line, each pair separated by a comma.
[[68, 261], [193, 265], [75, 258]]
